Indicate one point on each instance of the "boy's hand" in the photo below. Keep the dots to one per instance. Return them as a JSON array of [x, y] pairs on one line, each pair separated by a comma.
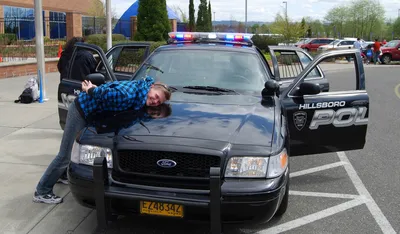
[[86, 85]]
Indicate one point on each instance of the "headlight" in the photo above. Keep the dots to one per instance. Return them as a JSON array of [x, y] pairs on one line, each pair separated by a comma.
[[277, 164], [247, 167], [85, 154], [257, 167]]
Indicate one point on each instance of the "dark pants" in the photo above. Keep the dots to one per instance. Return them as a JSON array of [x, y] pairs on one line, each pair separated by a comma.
[[58, 166]]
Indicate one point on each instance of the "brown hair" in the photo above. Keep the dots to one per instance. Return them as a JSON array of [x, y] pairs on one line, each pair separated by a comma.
[[167, 92]]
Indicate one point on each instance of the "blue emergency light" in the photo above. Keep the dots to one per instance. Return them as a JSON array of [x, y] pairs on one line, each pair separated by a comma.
[[227, 37]]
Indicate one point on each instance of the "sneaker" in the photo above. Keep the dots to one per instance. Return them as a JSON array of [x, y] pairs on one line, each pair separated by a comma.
[[63, 181], [47, 198]]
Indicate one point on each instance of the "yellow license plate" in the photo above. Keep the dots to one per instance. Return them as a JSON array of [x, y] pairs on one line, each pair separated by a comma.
[[162, 209]]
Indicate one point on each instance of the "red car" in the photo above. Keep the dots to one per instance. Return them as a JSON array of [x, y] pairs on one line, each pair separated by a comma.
[[313, 43], [390, 52]]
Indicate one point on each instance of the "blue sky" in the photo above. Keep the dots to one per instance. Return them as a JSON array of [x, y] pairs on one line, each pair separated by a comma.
[[264, 10]]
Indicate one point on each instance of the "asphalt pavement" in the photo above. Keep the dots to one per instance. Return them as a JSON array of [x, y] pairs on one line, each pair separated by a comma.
[[345, 192]]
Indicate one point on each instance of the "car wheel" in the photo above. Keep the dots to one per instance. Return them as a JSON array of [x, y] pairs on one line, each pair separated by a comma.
[[386, 59], [284, 203]]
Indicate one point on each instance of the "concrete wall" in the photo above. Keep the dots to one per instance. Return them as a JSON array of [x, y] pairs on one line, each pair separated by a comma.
[[77, 6]]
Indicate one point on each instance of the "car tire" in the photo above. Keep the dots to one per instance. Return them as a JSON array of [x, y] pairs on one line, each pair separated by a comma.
[[386, 59], [284, 203]]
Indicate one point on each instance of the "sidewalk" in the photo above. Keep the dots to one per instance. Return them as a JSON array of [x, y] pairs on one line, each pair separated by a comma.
[[29, 139]]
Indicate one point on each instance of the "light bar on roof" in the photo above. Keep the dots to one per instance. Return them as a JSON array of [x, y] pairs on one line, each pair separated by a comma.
[[229, 37]]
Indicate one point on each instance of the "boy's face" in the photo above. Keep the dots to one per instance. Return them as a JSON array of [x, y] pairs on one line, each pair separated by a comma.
[[155, 97]]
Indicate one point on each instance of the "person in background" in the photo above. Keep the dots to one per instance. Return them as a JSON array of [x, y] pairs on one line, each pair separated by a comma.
[[377, 50], [66, 55], [112, 96], [357, 44], [369, 54]]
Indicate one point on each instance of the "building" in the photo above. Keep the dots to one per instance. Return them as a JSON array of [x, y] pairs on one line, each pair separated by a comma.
[[61, 18], [126, 25]]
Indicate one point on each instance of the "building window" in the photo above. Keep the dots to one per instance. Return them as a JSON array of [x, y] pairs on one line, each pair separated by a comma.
[[21, 22]]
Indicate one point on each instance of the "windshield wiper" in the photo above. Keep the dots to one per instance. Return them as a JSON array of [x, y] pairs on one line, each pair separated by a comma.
[[153, 67], [210, 88]]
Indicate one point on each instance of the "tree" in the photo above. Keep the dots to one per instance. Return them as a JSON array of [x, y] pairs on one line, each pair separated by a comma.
[[360, 18], [396, 27], [191, 16], [303, 26], [202, 17], [209, 17], [152, 21], [290, 31], [182, 15]]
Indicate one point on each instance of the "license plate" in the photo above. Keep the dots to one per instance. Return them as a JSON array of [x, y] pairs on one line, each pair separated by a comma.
[[162, 209]]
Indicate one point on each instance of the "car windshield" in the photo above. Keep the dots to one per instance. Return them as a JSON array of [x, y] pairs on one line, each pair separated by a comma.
[[334, 42], [224, 69], [308, 41], [392, 43]]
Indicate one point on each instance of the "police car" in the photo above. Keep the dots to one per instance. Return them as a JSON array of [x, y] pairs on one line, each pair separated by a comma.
[[223, 154]]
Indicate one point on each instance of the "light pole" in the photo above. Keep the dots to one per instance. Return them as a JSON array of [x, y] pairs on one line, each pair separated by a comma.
[[214, 21], [40, 49], [286, 17], [109, 31], [245, 17]]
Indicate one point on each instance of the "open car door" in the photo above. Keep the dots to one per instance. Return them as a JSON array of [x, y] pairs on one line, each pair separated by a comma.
[[79, 66], [321, 122], [124, 59], [289, 62]]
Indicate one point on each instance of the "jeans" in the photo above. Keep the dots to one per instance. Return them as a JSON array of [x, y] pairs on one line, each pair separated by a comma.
[[57, 167], [376, 56]]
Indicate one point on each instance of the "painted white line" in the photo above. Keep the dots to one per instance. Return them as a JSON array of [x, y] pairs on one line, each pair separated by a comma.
[[362, 190], [313, 217], [330, 195], [316, 169]]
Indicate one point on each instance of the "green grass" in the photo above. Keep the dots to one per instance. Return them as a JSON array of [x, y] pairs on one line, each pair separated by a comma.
[[267, 56]]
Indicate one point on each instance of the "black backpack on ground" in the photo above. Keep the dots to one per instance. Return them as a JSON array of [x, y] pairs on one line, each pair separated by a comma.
[[25, 97]]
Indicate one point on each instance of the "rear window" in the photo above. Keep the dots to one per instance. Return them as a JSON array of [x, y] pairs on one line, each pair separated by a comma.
[[225, 69]]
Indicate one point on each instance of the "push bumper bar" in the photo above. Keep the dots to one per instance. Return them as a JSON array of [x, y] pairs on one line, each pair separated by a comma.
[[103, 194]]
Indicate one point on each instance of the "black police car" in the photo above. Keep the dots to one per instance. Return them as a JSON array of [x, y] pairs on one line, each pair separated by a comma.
[[223, 153]]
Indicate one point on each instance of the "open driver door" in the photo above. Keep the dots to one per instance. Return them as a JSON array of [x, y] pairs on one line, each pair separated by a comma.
[[322, 122]]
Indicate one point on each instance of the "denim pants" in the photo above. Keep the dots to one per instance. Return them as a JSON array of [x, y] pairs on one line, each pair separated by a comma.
[[57, 167], [376, 56]]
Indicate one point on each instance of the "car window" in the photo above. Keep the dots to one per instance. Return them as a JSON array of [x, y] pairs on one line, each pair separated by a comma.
[[129, 60], [226, 69], [305, 60]]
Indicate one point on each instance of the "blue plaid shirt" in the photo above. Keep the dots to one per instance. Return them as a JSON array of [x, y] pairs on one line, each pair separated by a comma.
[[115, 96]]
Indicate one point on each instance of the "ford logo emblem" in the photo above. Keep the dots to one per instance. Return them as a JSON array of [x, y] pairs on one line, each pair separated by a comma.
[[166, 163]]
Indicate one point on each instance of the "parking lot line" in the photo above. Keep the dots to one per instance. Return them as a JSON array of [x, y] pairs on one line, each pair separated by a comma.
[[362, 190], [316, 169], [314, 217], [318, 194]]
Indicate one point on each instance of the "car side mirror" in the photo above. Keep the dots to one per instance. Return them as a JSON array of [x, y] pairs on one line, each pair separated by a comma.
[[271, 87], [308, 88], [96, 78]]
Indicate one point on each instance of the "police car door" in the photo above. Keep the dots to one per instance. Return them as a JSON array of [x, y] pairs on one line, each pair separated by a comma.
[[125, 58], [71, 86], [289, 62], [321, 122]]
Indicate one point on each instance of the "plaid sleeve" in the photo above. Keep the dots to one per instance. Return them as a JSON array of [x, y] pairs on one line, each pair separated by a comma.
[[114, 92]]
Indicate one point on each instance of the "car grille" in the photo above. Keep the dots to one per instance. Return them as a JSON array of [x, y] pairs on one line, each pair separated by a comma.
[[140, 167]]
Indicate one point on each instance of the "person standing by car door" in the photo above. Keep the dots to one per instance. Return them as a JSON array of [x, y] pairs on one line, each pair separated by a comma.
[[377, 50], [66, 55], [112, 96]]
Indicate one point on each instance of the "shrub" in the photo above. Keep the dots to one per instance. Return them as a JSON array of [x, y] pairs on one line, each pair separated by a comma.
[[262, 42], [7, 38], [101, 39]]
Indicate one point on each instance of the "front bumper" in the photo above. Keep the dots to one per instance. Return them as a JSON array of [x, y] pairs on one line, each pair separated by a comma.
[[234, 201]]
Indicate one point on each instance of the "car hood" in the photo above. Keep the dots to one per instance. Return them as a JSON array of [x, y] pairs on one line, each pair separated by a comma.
[[235, 119]]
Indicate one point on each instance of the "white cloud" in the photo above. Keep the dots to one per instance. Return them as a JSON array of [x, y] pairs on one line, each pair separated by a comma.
[[262, 10]]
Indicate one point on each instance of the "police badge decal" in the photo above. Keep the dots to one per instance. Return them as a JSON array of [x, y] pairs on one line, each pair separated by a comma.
[[300, 119]]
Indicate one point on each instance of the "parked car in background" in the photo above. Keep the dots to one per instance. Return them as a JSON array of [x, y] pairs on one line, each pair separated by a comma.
[[390, 52], [301, 41], [339, 44], [314, 43]]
